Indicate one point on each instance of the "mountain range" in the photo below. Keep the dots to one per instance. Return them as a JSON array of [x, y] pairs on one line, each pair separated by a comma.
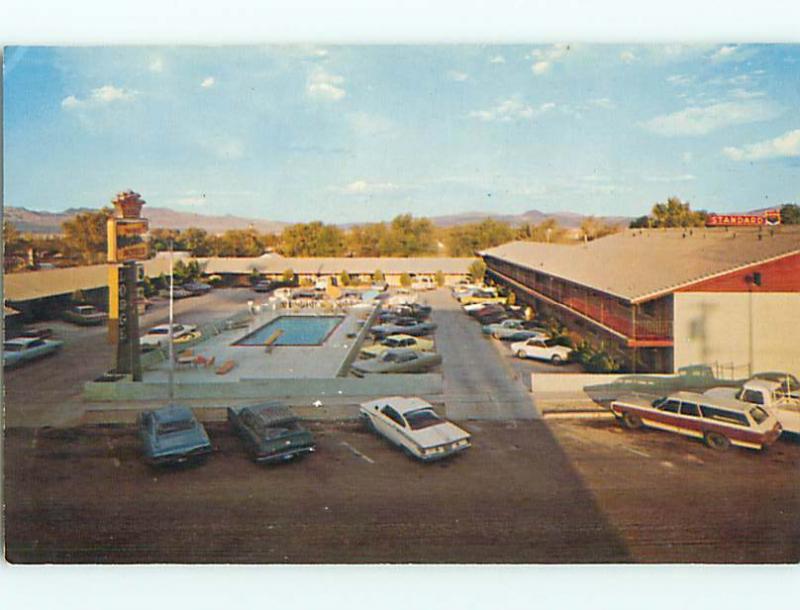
[[32, 221]]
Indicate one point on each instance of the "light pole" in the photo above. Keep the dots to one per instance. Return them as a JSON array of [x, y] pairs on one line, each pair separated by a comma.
[[169, 333]]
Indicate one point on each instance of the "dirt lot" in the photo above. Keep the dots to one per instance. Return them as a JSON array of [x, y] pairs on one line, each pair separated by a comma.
[[568, 491]]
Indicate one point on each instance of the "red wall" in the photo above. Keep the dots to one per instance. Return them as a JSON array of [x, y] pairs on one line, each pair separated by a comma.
[[782, 275]]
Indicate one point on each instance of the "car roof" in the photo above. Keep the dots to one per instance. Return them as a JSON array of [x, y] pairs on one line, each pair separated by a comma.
[[713, 401], [22, 340], [401, 404], [763, 384], [173, 413], [271, 412], [400, 336]]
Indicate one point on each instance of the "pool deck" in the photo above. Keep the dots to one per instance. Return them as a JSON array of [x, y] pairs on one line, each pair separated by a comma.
[[277, 362]]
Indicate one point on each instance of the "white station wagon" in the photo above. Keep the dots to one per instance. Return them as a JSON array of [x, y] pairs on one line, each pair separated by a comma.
[[413, 425]]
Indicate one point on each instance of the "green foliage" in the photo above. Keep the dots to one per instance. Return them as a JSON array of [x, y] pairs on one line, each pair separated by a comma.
[[676, 213], [312, 239], [594, 228], [595, 360], [288, 276], [477, 270], [344, 278], [86, 235], [378, 276], [439, 277], [511, 299], [196, 241], [239, 242], [148, 286], [405, 280], [643, 222], [466, 240], [255, 277], [790, 214], [180, 273], [548, 231]]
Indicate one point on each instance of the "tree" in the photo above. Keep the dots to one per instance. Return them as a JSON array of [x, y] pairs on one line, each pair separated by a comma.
[[790, 214], [439, 277], [676, 213], [378, 276], [465, 240], [366, 240], [86, 235], [405, 280], [239, 242], [642, 222], [196, 241], [288, 276], [312, 239], [548, 231], [594, 228], [408, 236], [477, 270], [344, 278]]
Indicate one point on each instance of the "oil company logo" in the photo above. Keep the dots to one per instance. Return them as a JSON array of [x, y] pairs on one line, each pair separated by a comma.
[[770, 217]]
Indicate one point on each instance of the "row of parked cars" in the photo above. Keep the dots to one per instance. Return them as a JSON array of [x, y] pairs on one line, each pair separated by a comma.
[[752, 415], [401, 342], [526, 338], [271, 433]]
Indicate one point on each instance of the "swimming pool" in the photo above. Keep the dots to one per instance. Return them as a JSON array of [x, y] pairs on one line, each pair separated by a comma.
[[295, 330]]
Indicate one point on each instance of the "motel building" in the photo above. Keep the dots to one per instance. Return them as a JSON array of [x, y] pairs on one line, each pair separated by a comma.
[[660, 299]]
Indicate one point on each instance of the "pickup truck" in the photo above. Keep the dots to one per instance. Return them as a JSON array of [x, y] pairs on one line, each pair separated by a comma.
[[775, 396]]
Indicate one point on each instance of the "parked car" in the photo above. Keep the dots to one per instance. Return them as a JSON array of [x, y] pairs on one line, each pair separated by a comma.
[[172, 435], [408, 327], [478, 309], [270, 432], [414, 426], [492, 317], [197, 288], [398, 341], [158, 336], [177, 293], [771, 395], [541, 349], [693, 378], [423, 283], [523, 335], [511, 326], [263, 286], [482, 296], [398, 361], [85, 315], [35, 333], [720, 422], [24, 349]]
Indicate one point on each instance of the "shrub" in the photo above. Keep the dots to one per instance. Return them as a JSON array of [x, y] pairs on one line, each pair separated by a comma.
[[378, 276], [344, 278], [288, 276], [405, 280], [477, 270], [439, 277]]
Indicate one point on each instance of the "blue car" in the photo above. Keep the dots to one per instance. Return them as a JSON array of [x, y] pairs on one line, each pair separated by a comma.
[[173, 435], [405, 326], [23, 349]]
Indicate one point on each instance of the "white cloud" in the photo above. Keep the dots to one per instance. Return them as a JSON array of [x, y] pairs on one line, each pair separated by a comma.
[[457, 76], [191, 201], [325, 86], [746, 94], [512, 109], [362, 187], [724, 52], [100, 96], [787, 145], [208, 82], [157, 65], [603, 102], [700, 120], [678, 178], [497, 59], [544, 58], [628, 57], [680, 80]]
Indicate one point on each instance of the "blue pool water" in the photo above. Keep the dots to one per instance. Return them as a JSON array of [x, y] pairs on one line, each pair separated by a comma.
[[297, 330]]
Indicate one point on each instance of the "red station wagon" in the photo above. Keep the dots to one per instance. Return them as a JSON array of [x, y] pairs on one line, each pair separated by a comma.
[[719, 422]]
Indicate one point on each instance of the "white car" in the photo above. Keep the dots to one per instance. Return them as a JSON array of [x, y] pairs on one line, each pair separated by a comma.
[[423, 283], [413, 425], [158, 336], [541, 349]]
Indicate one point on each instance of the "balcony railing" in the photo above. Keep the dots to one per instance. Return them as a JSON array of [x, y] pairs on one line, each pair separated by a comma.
[[606, 310]]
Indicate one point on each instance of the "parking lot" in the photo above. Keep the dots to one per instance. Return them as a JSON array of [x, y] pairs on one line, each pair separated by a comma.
[[529, 490]]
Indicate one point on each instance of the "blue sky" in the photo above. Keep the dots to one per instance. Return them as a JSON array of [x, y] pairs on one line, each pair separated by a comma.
[[362, 133]]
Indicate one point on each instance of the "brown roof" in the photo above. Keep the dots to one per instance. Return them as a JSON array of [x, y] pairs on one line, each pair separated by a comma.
[[274, 263], [641, 264]]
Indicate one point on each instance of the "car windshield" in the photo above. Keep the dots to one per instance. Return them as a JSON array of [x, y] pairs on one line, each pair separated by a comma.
[[422, 418], [158, 331], [759, 415], [175, 426]]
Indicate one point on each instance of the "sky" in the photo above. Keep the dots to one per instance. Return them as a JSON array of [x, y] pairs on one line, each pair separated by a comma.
[[363, 133]]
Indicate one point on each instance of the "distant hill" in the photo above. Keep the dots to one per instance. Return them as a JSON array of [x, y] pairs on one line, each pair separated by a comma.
[[565, 219], [31, 221]]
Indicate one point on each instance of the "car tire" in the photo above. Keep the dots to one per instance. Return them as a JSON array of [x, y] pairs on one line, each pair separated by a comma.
[[521, 353], [717, 441], [556, 359], [631, 421]]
